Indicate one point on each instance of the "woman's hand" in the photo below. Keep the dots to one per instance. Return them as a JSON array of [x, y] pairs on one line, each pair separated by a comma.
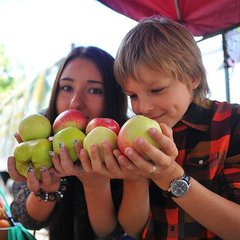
[[49, 182], [107, 165], [63, 164], [13, 171], [82, 168], [12, 166]]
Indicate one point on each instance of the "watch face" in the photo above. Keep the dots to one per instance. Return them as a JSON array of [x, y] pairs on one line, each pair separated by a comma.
[[179, 187]]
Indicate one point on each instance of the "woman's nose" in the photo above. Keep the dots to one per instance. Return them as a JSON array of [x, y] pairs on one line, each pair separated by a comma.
[[77, 102]]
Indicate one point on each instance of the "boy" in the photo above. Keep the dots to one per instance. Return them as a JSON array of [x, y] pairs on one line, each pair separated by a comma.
[[191, 187]]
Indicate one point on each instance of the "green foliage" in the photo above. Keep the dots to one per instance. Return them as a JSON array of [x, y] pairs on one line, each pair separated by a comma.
[[7, 78]]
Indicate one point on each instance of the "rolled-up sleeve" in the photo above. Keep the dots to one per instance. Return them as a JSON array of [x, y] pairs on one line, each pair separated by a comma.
[[18, 207]]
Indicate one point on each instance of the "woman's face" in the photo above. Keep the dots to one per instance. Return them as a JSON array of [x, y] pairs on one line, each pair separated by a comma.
[[81, 87]]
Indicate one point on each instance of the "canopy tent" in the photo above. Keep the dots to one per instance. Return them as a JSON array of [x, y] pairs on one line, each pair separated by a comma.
[[202, 18]]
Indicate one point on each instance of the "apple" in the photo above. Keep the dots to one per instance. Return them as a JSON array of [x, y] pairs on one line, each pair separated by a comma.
[[34, 153], [97, 136], [137, 126], [35, 126], [4, 223], [70, 118], [104, 122], [67, 137]]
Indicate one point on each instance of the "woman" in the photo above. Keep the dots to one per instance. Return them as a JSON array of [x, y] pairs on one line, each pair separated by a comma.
[[85, 82]]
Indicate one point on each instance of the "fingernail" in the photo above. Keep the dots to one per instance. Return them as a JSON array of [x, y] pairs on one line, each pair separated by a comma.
[[51, 153], [104, 145], [30, 169], [128, 151], [61, 145], [153, 130], [140, 141], [75, 141], [43, 169], [93, 147]]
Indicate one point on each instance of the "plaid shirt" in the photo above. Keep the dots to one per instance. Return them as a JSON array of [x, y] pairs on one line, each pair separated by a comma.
[[208, 140]]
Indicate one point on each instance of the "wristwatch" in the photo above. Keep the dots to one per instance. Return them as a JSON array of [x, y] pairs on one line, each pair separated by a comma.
[[178, 187]]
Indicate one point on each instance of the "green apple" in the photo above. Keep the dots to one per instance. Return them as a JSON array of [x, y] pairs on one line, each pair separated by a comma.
[[97, 135], [33, 153], [35, 126], [67, 137], [137, 126]]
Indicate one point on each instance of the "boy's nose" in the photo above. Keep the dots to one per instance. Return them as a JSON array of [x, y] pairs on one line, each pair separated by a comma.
[[145, 107]]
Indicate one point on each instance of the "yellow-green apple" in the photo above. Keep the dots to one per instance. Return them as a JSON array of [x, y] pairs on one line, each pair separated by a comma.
[[97, 136], [67, 136], [33, 153], [137, 126], [35, 126], [104, 122], [70, 118]]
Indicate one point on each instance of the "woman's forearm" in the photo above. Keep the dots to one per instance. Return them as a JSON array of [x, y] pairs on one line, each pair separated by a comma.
[[38, 209], [135, 209], [101, 209]]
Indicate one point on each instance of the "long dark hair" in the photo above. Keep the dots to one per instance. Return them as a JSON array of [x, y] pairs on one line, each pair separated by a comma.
[[73, 205]]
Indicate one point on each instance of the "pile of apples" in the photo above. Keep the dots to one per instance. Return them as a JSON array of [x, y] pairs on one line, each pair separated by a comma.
[[4, 222], [69, 126], [33, 151]]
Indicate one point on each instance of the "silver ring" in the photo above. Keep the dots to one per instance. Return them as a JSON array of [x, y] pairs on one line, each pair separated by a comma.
[[81, 171], [153, 170]]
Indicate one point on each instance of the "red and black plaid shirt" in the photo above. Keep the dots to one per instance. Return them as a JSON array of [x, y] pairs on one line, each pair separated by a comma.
[[208, 140]]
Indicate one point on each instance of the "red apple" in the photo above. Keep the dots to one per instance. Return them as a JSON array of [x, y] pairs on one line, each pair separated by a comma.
[[137, 126], [104, 122], [70, 118]]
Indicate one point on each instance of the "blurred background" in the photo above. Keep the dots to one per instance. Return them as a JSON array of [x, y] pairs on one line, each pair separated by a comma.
[[36, 34]]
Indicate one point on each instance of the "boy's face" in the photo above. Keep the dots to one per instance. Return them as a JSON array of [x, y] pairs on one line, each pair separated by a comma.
[[159, 96]]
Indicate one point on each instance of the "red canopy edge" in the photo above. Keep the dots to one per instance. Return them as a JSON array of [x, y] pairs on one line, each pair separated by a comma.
[[202, 17]]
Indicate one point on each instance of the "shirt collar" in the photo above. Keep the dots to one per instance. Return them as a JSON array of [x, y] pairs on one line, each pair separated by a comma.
[[198, 115]]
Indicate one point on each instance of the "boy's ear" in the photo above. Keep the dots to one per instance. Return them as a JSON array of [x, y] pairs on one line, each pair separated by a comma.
[[195, 83]]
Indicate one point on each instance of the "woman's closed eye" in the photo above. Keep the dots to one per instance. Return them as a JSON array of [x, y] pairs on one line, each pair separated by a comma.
[[133, 96]]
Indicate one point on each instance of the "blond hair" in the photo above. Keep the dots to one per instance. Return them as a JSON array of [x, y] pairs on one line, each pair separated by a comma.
[[162, 45]]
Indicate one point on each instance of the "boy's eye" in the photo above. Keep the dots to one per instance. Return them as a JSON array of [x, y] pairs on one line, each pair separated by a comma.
[[95, 91], [157, 90]]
